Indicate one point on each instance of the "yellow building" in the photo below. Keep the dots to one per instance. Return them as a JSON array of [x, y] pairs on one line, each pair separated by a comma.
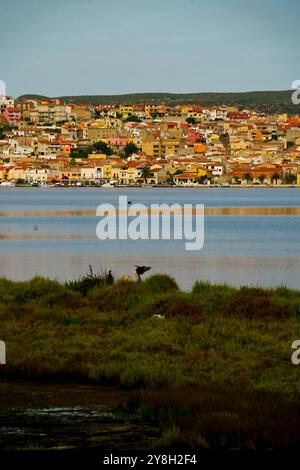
[[16, 173], [97, 156], [160, 148], [126, 110], [107, 170], [152, 148]]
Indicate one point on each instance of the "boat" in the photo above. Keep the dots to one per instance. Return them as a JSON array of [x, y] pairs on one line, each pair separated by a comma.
[[7, 184], [107, 185]]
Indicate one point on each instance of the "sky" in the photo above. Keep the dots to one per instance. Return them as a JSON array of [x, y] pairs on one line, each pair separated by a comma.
[[75, 47]]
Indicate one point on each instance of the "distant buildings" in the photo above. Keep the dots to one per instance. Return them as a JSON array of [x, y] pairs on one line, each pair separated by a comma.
[[44, 141]]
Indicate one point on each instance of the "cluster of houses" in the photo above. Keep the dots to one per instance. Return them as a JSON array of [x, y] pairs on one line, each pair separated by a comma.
[[46, 142]]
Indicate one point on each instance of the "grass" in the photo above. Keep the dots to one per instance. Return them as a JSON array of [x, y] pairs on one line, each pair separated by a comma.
[[212, 366]]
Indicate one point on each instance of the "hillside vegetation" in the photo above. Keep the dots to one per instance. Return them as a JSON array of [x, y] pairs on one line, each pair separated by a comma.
[[269, 101]]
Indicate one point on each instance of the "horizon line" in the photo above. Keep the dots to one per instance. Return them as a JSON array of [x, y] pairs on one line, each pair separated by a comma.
[[157, 93]]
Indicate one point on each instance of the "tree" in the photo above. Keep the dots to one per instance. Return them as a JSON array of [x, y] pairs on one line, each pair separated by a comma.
[[191, 120], [248, 177], [201, 179], [145, 173], [129, 149], [3, 130], [82, 153], [73, 155], [275, 177], [290, 179], [262, 178], [102, 147], [133, 118]]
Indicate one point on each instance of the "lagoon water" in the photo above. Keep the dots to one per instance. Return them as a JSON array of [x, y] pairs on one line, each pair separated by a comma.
[[52, 232]]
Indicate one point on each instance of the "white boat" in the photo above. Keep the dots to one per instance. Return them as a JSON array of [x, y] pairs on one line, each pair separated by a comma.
[[107, 185], [7, 184]]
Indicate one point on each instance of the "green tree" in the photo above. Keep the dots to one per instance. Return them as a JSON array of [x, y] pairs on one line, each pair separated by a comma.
[[191, 120], [102, 147], [290, 179], [133, 118], [262, 178], [2, 131], [145, 173], [275, 177], [201, 180], [247, 177], [129, 149], [73, 155]]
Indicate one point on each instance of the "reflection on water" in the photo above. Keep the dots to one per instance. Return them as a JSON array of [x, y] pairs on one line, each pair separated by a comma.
[[208, 211], [67, 416], [251, 236]]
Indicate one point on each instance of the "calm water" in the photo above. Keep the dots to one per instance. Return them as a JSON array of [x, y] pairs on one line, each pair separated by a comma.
[[238, 249]]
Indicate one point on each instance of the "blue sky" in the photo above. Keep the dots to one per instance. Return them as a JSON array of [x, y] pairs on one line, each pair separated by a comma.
[[65, 47]]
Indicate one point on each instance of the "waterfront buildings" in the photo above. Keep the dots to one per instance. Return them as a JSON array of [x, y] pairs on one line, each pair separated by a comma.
[[49, 142]]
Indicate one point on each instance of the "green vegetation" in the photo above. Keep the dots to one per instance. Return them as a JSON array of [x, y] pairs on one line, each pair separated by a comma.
[[80, 153], [290, 179], [211, 367], [129, 149], [145, 173], [102, 147], [132, 118], [3, 131], [191, 120], [248, 177]]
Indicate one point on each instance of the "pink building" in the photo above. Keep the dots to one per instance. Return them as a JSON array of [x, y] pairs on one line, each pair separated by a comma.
[[12, 115], [120, 140]]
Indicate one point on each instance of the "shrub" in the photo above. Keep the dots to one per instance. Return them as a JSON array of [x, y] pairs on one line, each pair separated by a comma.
[[160, 283]]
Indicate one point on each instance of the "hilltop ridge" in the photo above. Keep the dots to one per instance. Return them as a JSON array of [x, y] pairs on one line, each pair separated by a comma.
[[270, 101]]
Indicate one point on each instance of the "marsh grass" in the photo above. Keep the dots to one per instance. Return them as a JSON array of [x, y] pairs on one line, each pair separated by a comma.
[[215, 365], [217, 419]]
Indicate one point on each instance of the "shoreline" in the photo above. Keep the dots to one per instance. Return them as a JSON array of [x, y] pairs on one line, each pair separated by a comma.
[[204, 186]]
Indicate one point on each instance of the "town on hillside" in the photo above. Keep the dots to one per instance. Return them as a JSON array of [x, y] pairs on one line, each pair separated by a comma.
[[44, 142]]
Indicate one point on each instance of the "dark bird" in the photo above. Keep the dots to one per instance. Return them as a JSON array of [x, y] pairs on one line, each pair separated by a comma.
[[139, 270], [110, 278]]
